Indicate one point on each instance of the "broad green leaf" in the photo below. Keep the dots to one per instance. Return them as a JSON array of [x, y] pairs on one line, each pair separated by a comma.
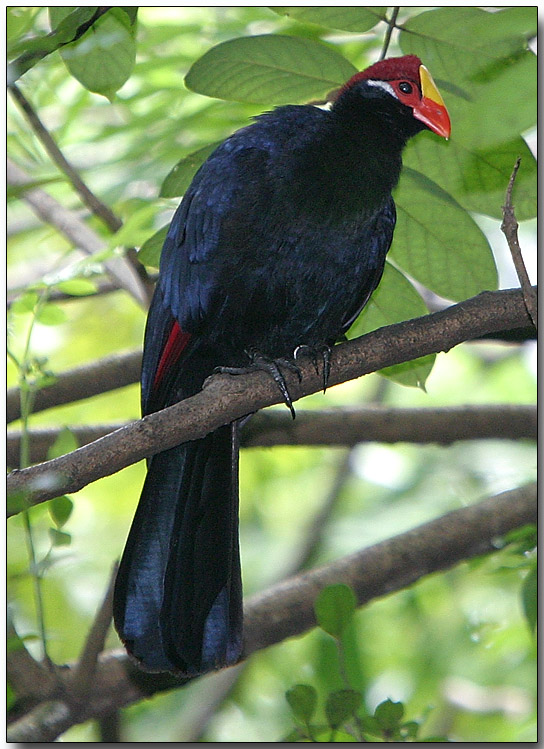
[[341, 705], [334, 608], [389, 714], [103, 58], [438, 243], [60, 510], [19, 20], [478, 177], [269, 69], [150, 251], [179, 178], [302, 699], [335, 17], [529, 595], [31, 51], [395, 300]]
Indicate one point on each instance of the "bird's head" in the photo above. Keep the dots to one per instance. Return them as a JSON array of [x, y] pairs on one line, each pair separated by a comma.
[[407, 86]]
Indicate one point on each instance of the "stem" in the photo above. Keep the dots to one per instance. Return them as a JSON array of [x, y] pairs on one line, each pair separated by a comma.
[[27, 394], [390, 26]]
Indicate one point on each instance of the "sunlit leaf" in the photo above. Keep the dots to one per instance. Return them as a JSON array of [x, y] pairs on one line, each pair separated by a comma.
[[103, 58], [530, 598], [395, 300], [389, 714], [341, 705], [150, 251], [302, 699], [179, 178], [335, 17], [438, 243], [334, 608], [60, 510], [269, 69]]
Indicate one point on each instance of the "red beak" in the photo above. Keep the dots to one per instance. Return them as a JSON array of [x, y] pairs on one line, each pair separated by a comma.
[[431, 110]]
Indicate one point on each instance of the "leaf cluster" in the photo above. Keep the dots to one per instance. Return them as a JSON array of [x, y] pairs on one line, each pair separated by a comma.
[[346, 720]]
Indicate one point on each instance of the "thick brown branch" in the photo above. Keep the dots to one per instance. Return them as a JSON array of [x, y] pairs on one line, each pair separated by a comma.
[[342, 426], [286, 609], [117, 371], [100, 376], [226, 398]]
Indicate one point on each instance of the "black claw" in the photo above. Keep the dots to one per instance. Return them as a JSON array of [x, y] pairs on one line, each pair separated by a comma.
[[271, 366], [313, 352], [326, 353]]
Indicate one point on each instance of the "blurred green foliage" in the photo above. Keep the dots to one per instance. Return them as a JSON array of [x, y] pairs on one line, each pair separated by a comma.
[[457, 649]]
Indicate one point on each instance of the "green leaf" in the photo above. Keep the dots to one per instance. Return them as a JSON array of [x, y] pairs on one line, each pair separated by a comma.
[[77, 287], [341, 705], [482, 66], [335, 17], [64, 443], [529, 597], [179, 178], [302, 699], [395, 300], [269, 69], [135, 229], [102, 60], [389, 714], [477, 177], [150, 251], [438, 243], [60, 510], [334, 608], [51, 314], [59, 538], [30, 51], [25, 303]]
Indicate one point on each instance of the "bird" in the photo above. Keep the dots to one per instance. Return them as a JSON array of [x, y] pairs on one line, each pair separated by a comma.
[[275, 247]]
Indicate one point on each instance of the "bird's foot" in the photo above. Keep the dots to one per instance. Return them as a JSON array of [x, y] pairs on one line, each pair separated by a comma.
[[272, 367], [317, 352]]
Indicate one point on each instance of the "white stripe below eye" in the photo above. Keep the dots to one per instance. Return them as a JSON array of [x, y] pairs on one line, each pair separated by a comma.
[[386, 87]]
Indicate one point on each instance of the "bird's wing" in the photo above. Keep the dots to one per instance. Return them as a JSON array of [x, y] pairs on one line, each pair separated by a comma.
[[189, 291], [377, 237]]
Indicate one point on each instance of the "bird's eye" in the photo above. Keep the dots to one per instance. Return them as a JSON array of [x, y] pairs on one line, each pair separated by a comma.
[[405, 87]]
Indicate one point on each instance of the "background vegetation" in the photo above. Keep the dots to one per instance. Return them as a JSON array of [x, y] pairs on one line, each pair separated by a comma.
[[135, 105]]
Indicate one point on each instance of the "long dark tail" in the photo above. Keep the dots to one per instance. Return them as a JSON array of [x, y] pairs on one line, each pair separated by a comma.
[[178, 594]]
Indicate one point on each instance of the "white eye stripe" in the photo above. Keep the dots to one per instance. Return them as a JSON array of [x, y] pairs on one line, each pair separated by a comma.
[[386, 87]]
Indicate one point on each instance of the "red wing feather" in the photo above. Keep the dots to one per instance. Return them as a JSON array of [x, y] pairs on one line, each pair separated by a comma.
[[177, 340]]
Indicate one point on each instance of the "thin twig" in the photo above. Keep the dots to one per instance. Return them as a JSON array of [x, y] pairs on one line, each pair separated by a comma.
[[95, 205], [390, 26], [509, 228], [94, 645], [76, 231]]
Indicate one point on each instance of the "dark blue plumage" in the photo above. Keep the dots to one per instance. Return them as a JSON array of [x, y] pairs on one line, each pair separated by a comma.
[[279, 241]]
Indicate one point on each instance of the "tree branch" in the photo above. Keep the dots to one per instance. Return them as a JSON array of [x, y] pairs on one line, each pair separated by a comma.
[[76, 231], [286, 609], [509, 228], [98, 377], [120, 370], [342, 426], [226, 398]]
